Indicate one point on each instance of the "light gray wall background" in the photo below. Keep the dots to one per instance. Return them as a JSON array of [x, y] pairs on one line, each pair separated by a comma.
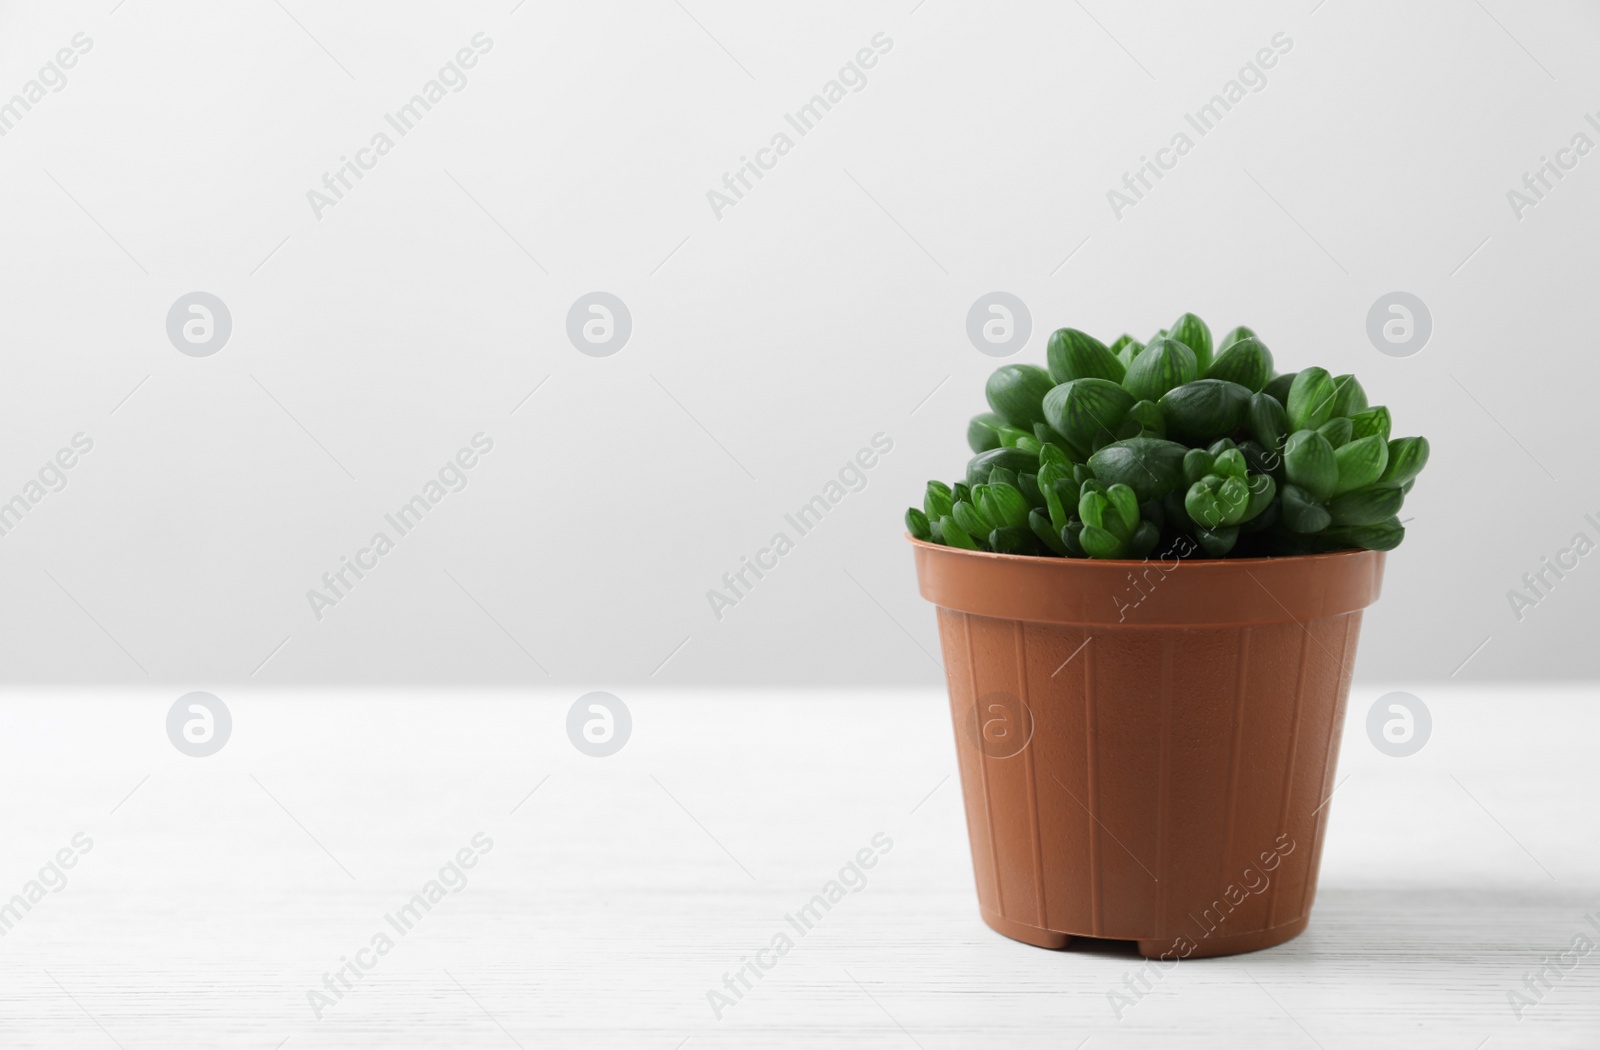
[[768, 344]]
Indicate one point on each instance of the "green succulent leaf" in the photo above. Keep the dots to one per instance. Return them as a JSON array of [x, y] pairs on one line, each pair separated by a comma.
[[983, 432], [1161, 365], [1300, 513], [1246, 361], [1234, 335], [1016, 393], [1012, 437], [936, 503], [1269, 423], [1371, 421], [917, 523], [969, 520], [1384, 536], [1147, 414], [1197, 463], [1045, 530], [1125, 506], [1202, 505], [1013, 539], [1230, 464], [1263, 489], [1260, 460], [954, 535], [1003, 506], [1217, 542], [1086, 412], [1029, 484], [1360, 463], [1193, 333], [1310, 401], [1152, 467], [1013, 459], [1407, 457], [1308, 461], [1337, 430], [1077, 355], [1072, 536], [1098, 543], [1369, 506], [1278, 387], [1348, 398], [1126, 348], [1051, 454], [1143, 540], [1204, 409], [1092, 507]]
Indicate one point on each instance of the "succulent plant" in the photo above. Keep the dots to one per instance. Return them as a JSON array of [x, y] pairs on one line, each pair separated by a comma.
[[1175, 443]]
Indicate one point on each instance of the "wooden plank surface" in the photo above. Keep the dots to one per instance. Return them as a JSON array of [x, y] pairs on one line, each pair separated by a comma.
[[218, 891]]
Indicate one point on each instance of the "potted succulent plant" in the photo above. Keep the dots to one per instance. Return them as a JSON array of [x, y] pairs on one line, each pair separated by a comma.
[[1149, 585]]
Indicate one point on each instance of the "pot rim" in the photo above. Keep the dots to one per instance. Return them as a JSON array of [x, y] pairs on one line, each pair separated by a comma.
[[1190, 562], [1156, 592]]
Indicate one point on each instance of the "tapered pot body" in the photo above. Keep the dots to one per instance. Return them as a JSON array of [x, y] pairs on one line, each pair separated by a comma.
[[1147, 748]]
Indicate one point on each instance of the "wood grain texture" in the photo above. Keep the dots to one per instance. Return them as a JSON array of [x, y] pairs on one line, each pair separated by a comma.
[[218, 891]]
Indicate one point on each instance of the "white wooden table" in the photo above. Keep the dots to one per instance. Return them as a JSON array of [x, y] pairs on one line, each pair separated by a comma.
[[218, 891]]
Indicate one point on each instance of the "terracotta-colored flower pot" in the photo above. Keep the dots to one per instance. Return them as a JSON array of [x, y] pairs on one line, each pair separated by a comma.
[[1147, 748]]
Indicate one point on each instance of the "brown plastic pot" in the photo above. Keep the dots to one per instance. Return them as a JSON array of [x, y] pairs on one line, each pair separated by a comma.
[[1147, 748]]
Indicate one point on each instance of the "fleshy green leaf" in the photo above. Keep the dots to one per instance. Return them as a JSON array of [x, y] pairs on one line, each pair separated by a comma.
[[1337, 430], [1300, 514], [1077, 355], [1016, 394], [1407, 457], [1368, 506], [1311, 398], [1360, 463], [1193, 333], [983, 432], [1308, 461], [1374, 420], [954, 535]]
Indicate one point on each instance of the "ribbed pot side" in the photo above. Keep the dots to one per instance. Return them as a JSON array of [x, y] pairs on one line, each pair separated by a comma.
[[1147, 748]]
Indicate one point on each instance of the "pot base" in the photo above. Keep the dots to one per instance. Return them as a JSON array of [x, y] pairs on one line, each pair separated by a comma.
[[1155, 947]]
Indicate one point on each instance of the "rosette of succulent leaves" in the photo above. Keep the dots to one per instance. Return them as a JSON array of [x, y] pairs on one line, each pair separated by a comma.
[[1138, 449]]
